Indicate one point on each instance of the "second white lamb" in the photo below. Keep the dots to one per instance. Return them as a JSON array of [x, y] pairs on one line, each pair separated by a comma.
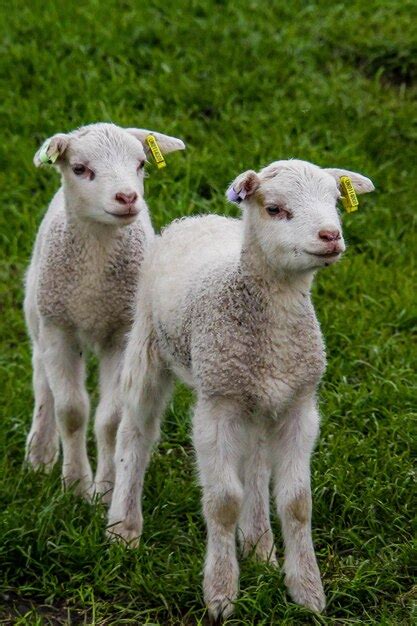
[[225, 305]]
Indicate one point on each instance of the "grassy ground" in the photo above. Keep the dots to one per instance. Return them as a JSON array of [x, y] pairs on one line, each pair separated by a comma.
[[243, 83]]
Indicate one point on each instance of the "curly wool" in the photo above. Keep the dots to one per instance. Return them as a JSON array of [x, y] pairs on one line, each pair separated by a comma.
[[84, 282]]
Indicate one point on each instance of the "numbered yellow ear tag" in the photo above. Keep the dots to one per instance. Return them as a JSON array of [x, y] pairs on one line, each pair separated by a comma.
[[349, 197], [156, 152]]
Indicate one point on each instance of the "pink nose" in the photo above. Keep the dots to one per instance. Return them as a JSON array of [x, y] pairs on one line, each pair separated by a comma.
[[329, 235], [126, 198]]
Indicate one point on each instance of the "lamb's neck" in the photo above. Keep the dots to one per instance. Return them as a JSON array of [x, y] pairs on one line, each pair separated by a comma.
[[274, 283]]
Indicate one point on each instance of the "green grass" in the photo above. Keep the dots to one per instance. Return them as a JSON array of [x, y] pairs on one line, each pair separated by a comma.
[[244, 84]]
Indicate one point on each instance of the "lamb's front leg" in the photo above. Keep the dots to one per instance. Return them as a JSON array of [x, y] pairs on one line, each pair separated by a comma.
[[42, 446], [254, 532], [219, 439], [65, 369], [292, 449]]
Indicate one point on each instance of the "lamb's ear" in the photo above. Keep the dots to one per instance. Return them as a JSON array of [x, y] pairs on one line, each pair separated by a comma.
[[360, 183], [166, 143], [243, 186], [51, 150]]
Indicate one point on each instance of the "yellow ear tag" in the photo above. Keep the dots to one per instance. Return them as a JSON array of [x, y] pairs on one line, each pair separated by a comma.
[[349, 197], [156, 152], [46, 157]]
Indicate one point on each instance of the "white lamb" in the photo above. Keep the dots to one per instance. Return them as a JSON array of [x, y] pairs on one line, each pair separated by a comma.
[[225, 305], [80, 288]]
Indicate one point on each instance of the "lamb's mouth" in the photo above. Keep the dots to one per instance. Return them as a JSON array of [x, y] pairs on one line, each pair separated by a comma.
[[325, 255], [132, 212]]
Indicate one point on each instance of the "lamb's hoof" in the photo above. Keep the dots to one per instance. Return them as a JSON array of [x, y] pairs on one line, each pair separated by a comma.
[[221, 587], [104, 491], [259, 550], [81, 486], [308, 592], [219, 609], [267, 556], [122, 532], [41, 458]]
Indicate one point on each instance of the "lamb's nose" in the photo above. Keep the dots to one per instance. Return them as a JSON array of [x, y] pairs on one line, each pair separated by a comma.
[[329, 235], [126, 198]]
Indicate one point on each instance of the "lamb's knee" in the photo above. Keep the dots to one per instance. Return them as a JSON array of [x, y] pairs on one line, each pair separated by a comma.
[[106, 427], [223, 506], [298, 509], [72, 415]]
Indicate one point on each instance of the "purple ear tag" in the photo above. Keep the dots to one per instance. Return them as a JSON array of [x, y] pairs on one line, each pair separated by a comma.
[[234, 196]]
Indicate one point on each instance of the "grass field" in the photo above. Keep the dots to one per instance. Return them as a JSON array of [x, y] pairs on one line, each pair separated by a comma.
[[244, 83]]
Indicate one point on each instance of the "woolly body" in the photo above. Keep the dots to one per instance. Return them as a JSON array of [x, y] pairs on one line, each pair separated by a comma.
[[86, 282], [232, 333]]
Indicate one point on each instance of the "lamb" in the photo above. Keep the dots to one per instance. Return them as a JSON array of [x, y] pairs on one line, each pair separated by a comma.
[[80, 290], [225, 305]]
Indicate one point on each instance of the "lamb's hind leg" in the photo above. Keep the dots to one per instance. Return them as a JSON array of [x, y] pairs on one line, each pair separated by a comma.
[[220, 439], [106, 421], [293, 446], [254, 528], [146, 387], [42, 444]]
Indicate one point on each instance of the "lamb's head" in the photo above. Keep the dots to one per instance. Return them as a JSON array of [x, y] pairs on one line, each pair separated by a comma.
[[102, 168], [290, 211]]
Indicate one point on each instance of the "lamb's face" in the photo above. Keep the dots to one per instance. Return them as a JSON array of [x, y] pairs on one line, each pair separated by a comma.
[[102, 167], [103, 171], [297, 222], [291, 211]]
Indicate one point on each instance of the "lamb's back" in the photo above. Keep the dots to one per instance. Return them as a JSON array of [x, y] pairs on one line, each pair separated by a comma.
[[188, 252]]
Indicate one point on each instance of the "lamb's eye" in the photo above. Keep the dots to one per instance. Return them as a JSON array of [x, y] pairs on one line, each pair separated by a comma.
[[275, 210], [141, 165], [79, 169], [83, 171]]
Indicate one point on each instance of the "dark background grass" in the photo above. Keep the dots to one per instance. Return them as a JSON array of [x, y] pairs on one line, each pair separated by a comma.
[[243, 84]]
